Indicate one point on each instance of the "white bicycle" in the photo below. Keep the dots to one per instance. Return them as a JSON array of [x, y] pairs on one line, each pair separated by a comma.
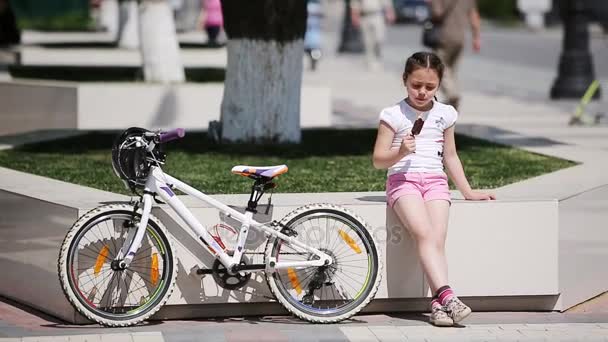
[[117, 264]]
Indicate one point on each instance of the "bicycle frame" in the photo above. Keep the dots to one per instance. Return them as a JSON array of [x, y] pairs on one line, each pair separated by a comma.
[[163, 184]]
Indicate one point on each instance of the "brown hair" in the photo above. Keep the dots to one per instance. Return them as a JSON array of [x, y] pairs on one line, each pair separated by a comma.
[[423, 59]]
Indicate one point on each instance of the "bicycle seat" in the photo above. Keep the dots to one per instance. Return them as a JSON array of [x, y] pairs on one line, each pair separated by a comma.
[[259, 171]]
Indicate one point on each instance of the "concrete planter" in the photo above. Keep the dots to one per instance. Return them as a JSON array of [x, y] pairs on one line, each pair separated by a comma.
[[503, 255]]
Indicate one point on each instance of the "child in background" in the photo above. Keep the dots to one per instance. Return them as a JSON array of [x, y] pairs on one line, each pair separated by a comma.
[[415, 141], [213, 21]]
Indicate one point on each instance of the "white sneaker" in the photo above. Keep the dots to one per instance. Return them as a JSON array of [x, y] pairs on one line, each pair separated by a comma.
[[439, 317], [457, 309]]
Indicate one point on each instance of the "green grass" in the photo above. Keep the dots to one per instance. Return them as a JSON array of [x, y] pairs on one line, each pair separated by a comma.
[[103, 73], [326, 161], [73, 21]]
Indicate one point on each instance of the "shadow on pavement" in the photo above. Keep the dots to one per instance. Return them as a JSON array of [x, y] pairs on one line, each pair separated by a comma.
[[505, 137]]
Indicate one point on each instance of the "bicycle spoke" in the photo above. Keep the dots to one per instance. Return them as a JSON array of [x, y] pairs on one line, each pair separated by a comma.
[[346, 277], [117, 293]]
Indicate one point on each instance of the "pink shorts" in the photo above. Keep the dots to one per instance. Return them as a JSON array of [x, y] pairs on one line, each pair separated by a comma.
[[428, 186]]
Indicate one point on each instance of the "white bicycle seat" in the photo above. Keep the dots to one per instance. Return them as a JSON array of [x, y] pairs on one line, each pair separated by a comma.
[[259, 171]]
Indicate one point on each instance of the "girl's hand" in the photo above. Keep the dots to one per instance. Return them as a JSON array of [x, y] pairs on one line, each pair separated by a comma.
[[408, 145], [479, 196]]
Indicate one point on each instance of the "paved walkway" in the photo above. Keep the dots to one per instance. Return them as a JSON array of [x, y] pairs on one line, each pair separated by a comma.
[[17, 324], [504, 332]]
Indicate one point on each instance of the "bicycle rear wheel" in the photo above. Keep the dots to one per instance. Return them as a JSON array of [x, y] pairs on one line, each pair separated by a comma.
[[332, 293], [94, 283]]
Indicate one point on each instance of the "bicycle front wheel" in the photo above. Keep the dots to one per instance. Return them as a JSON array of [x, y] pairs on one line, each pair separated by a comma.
[[331, 293], [92, 279]]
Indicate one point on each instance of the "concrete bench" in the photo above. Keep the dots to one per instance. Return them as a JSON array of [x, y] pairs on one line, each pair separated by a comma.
[[503, 255]]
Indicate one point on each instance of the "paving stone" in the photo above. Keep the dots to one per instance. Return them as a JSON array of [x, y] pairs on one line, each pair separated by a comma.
[[116, 338], [148, 336], [356, 334], [387, 333]]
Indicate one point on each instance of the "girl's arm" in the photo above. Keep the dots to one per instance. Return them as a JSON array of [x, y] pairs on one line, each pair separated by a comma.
[[385, 157], [455, 170]]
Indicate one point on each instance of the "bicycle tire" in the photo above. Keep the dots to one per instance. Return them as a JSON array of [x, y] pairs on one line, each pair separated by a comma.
[[79, 275], [357, 237]]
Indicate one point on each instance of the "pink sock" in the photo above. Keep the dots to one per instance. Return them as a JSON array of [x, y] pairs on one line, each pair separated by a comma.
[[435, 303], [445, 295]]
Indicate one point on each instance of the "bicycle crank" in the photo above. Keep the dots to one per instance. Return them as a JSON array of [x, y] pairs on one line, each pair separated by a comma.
[[227, 280]]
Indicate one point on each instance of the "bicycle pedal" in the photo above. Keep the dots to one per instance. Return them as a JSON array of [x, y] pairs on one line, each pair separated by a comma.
[[204, 271]]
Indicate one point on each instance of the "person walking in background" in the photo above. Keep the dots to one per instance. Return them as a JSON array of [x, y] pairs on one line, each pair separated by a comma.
[[312, 38], [415, 141], [370, 16], [214, 20], [455, 16]]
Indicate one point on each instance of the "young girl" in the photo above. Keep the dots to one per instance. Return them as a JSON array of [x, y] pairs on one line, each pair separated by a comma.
[[415, 140], [213, 21]]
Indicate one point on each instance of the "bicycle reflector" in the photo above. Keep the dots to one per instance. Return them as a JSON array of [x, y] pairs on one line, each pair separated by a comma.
[[130, 160]]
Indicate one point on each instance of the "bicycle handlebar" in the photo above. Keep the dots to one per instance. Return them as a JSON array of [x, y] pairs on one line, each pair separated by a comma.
[[172, 135]]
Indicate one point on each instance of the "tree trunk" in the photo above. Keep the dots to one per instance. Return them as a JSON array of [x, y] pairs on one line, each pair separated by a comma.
[[9, 32], [109, 17], [128, 35], [158, 43], [261, 100]]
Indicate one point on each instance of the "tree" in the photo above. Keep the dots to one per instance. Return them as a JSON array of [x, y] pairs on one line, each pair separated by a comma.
[[128, 27], [9, 32], [261, 100], [158, 42], [149, 26]]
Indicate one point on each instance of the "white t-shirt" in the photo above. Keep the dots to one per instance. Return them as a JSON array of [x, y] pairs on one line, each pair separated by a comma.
[[429, 143]]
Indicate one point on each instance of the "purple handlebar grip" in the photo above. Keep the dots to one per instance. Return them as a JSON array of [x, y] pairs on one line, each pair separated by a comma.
[[172, 135]]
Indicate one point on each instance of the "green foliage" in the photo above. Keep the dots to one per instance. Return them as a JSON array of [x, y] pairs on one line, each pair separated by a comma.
[[52, 15], [325, 161], [104, 73], [502, 10], [49, 8], [64, 22]]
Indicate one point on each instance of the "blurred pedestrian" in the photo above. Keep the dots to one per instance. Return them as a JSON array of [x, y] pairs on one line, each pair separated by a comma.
[[214, 20], [312, 38], [454, 16], [370, 16]]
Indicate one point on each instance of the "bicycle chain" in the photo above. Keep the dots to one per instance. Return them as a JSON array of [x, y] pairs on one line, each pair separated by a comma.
[[245, 291]]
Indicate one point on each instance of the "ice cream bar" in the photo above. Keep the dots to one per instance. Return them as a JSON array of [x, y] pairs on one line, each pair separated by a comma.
[[417, 126]]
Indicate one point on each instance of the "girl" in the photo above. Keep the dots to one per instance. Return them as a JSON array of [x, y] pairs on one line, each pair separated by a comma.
[[415, 140], [213, 21]]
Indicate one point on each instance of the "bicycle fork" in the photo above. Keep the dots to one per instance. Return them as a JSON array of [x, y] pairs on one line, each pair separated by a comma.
[[134, 236]]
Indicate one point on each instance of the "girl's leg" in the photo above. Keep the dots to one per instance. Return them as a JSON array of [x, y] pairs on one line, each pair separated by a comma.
[[212, 33], [439, 212], [430, 242]]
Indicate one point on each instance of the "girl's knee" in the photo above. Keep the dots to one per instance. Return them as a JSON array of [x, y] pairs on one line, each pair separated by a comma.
[[440, 245], [431, 240], [423, 237]]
